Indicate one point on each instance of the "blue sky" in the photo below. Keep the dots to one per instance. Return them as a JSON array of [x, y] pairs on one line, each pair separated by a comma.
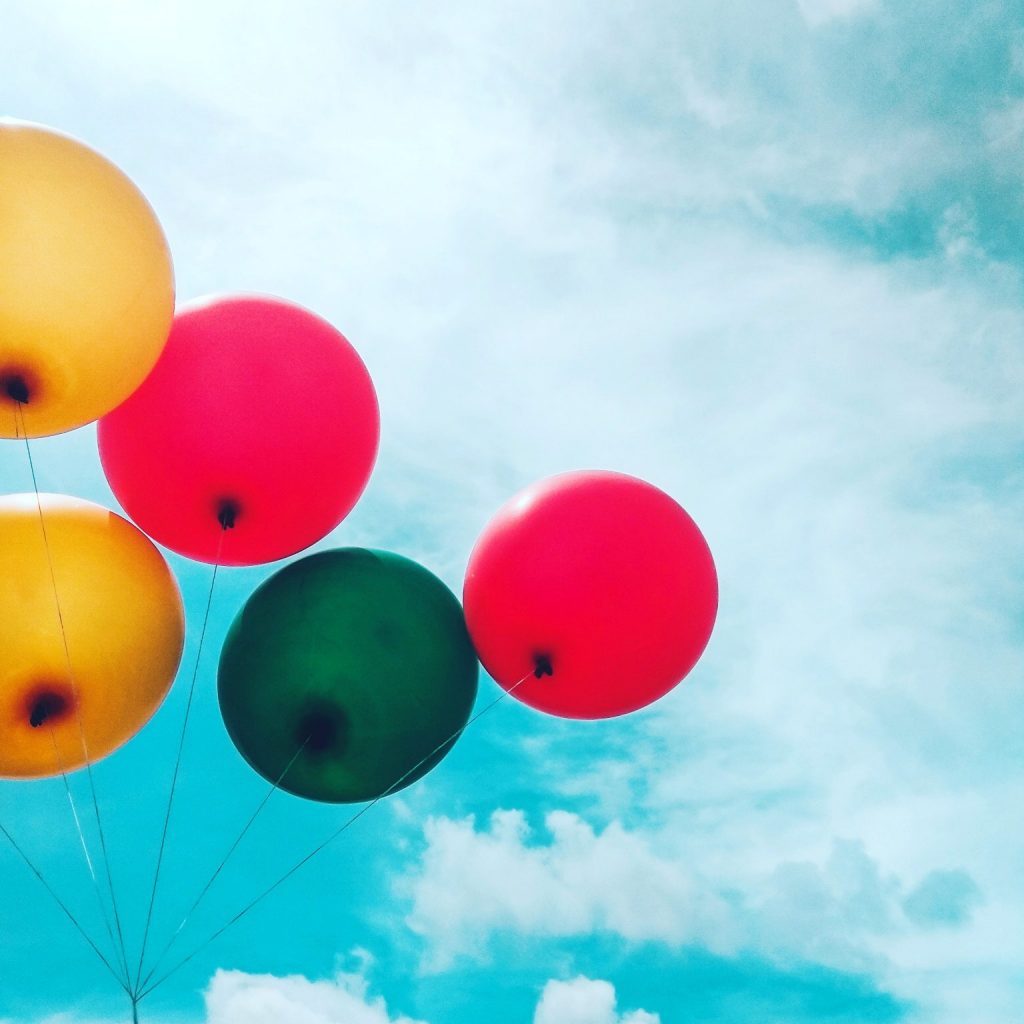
[[767, 256]]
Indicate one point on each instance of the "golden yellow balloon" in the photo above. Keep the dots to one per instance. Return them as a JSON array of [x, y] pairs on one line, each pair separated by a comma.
[[114, 599], [86, 283]]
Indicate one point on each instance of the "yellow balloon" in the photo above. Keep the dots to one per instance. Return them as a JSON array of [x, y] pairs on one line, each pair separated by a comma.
[[118, 606], [86, 283]]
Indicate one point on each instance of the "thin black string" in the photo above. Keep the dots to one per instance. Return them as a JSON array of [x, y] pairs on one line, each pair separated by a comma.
[[71, 802], [74, 694], [330, 839], [85, 847], [78, 825], [63, 906], [177, 762], [220, 867]]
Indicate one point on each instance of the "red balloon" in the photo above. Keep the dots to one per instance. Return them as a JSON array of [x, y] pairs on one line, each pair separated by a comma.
[[260, 417], [596, 586]]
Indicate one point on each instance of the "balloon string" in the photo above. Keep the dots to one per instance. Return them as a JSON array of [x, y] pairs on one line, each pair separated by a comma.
[[63, 906], [67, 787], [331, 838], [220, 867], [177, 763], [19, 411], [85, 849]]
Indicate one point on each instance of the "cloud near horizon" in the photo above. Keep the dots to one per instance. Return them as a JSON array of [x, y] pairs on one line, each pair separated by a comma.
[[585, 1001], [235, 997]]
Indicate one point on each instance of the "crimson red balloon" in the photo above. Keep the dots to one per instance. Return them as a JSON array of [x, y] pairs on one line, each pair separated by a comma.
[[595, 586], [260, 417]]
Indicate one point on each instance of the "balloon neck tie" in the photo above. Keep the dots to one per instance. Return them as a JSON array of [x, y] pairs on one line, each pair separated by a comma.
[[323, 729], [542, 665], [16, 388], [46, 707], [227, 514]]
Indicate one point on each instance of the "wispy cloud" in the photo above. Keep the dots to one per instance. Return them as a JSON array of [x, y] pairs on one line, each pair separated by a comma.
[[765, 255], [820, 12]]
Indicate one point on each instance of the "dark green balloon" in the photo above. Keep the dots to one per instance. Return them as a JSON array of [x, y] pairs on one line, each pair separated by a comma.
[[361, 655]]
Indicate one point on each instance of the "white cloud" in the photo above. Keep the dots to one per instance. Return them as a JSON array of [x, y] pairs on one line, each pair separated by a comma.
[[71, 1017], [957, 234], [419, 129], [642, 886], [585, 1001], [473, 883], [60, 1018], [234, 997], [1004, 135], [820, 12]]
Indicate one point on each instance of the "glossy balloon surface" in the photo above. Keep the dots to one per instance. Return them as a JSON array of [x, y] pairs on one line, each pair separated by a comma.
[[123, 619], [86, 283], [356, 660], [257, 406], [600, 577]]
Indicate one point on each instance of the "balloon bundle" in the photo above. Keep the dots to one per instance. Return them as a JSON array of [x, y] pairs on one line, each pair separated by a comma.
[[238, 431]]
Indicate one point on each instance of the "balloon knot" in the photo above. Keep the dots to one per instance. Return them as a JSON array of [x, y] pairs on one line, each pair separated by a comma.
[[542, 665], [227, 513], [45, 707], [16, 389], [323, 728]]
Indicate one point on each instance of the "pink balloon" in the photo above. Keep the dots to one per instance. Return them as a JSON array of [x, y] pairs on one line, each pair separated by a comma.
[[595, 586], [259, 416]]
